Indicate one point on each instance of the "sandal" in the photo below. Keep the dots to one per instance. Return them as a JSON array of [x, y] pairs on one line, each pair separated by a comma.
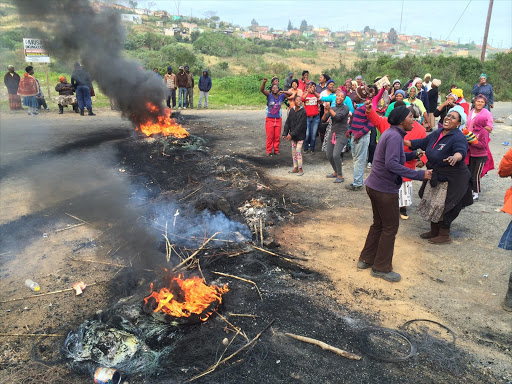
[[331, 176]]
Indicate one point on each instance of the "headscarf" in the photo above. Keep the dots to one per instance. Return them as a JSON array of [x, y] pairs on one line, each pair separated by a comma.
[[363, 92], [436, 83], [349, 79], [398, 115], [483, 75], [396, 81], [458, 92], [61, 78], [343, 89], [414, 82], [461, 112], [455, 97], [359, 77], [399, 91], [354, 82], [480, 96], [412, 87], [10, 66], [427, 74]]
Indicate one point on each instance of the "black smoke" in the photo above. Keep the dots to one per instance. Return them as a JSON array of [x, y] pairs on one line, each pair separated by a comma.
[[95, 37]]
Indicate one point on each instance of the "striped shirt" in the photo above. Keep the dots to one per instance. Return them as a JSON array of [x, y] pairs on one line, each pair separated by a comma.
[[360, 124]]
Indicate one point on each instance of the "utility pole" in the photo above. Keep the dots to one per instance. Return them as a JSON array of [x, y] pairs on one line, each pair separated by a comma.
[[486, 33]]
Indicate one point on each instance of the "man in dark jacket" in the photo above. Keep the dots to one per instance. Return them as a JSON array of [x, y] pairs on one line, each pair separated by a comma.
[[81, 82], [295, 130], [190, 88], [205, 84], [11, 81], [182, 80]]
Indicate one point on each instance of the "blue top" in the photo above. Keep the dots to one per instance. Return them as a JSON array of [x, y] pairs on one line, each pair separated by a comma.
[[485, 90], [388, 163], [332, 99], [274, 105], [437, 149]]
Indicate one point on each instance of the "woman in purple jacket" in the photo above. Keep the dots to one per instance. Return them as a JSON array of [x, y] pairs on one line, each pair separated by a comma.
[[382, 187]]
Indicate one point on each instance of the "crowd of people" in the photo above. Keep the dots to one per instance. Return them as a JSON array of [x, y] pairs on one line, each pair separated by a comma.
[[77, 94], [355, 116]]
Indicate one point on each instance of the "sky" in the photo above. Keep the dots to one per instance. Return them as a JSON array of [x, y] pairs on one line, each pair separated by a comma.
[[429, 18]]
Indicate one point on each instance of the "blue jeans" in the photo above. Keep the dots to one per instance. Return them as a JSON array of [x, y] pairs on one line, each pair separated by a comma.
[[359, 153], [182, 97], [83, 95], [312, 128]]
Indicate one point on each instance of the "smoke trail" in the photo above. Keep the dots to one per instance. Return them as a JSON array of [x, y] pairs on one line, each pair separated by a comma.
[[73, 28]]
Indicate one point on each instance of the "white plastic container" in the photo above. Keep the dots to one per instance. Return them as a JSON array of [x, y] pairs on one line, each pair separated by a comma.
[[32, 285]]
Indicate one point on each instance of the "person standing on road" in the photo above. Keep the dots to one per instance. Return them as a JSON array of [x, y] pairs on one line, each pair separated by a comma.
[[205, 84], [484, 88], [81, 82], [273, 121], [449, 191], [295, 131], [310, 99], [12, 81], [190, 87], [360, 132], [433, 95], [182, 81], [170, 83], [505, 170], [382, 187], [337, 139], [29, 88]]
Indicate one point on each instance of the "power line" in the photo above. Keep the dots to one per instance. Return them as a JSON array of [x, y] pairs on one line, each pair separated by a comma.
[[401, 14], [458, 19]]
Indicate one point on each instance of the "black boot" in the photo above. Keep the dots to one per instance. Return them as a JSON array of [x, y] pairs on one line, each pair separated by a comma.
[[90, 112], [61, 109], [75, 108], [81, 111]]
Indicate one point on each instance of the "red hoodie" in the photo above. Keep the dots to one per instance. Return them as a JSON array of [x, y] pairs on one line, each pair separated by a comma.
[[418, 132]]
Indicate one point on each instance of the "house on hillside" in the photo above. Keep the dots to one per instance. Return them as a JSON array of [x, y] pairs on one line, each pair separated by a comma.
[[261, 28], [188, 25], [131, 18], [172, 31], [249, 35], [323, 33], [462, 52], [293, 32], [351, 43], [266, 36], [403, 37], [355, 34]]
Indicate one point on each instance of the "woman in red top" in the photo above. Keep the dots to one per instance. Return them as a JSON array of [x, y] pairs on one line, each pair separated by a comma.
[[418, 132], [310, 99]]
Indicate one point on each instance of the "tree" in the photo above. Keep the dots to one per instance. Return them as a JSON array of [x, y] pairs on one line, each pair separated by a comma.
[[215, 18], [194, 35], [254, 23], [393, 36], [133, 4], [366, 29], [149, 5], [303, 26], [290, 26]]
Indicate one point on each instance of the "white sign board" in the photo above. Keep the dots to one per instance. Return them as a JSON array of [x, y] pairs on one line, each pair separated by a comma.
[[35, 52]]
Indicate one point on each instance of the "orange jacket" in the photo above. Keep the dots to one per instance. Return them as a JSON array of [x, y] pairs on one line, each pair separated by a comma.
[[505, 170]]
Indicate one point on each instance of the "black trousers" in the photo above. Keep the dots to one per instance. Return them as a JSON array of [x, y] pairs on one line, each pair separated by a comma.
[[475, 167]]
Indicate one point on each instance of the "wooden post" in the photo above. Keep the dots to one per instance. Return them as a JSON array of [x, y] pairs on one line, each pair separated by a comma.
[[486, 33], [48, 80]]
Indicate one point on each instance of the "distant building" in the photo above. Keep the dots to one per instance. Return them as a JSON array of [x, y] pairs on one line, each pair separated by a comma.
[[189, 25], [351, 43], [265, 36], [293, 32], [261, 28], [131, 18]]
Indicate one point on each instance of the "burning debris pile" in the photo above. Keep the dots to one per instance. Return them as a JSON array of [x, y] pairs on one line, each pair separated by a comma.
[[159, 122]]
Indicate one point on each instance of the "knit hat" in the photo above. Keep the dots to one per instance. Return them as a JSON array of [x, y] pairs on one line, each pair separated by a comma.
[[363, 92], [461, 112], [483, 75], [398, 115], [427, 75], [181, 67], [62, 78], [396, 81], [458, 92], [399, 91], [169, 68], [436, 83], [186, 66], [10, 66], [329, 81]]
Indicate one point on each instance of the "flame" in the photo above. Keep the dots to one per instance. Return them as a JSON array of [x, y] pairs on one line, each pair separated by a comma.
[[165, 125], [195, 298]]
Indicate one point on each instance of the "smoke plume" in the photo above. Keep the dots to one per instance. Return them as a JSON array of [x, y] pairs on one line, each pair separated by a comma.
[[72, 28]]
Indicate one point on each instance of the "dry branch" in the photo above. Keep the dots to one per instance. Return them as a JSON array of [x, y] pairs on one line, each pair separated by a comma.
[[190, 194], [237, 329], [278, 255], [325, 346], [70, 227], [242, 315], [245, 346], [195, 253], [47, 293], [242, 279]]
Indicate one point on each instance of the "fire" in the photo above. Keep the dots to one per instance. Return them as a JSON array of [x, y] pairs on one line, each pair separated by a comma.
[[165, 125], [186, 297]]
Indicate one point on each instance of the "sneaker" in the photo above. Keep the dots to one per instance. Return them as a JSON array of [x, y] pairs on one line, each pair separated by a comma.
[[363, 265], [352, 187], [475, 196], [339, 180], [312, 152], [403, 213], [179, 107], [369, 165], [331, 176], [184, 107], [306, 151], [388, 276]]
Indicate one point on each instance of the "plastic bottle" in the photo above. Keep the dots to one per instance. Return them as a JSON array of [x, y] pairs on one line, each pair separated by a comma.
[[32, 285]]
